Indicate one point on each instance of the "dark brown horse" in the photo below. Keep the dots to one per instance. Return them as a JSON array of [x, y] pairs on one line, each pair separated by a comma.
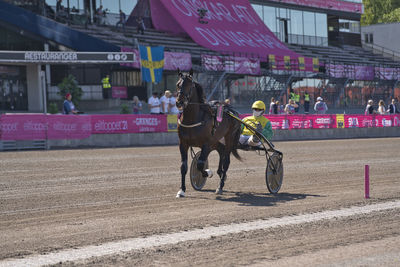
[[196, 129]]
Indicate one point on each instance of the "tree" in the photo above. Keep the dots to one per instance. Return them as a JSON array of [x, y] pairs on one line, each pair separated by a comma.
[[379, 11], [70, 85]]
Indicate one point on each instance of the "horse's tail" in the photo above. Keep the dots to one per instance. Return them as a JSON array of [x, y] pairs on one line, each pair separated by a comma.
[[236, 136]]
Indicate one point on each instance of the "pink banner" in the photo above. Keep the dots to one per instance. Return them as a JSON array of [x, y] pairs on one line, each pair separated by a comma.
[[136, 58], [231, 64], [23, 127], [327, 4], [119, 92], [69, 126], [363, 121], [227, 26], [41, 127], [175, 60], [116, 124]]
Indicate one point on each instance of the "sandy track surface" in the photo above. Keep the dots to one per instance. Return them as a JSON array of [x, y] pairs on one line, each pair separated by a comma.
[[54, 200]]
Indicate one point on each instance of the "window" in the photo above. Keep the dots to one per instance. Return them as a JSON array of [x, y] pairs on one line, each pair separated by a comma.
[[349, 26], [270, 18], [371, 38], [321, 23], [296, 20], [309, 23], [366, 38]]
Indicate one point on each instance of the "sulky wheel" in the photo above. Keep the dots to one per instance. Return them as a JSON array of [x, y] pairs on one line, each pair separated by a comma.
[[196, 178], [274, 173]]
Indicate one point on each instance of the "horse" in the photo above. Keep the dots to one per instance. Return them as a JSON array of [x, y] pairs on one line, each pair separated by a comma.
[[197, 128]]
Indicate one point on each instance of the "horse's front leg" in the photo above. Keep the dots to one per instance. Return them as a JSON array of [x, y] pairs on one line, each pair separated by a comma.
[[183, 148], [201, 162]]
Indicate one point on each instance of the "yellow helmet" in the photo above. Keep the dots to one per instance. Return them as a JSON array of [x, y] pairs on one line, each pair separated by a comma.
[[258, 105]]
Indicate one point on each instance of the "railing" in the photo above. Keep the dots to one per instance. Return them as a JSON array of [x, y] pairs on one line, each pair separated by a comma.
[[382, 50]]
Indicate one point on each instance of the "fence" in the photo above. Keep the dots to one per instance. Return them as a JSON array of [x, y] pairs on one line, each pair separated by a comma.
[[53, 127]]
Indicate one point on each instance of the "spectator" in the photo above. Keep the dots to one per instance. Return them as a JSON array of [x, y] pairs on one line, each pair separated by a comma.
[[272, 105], [136, 105], [140, 27], [306, 103], [381, 107], [172, 104], [290, 108], [106, 86], [122, 20], [69, 107], [99, 15], [165, 102], [227, 102], [392, 108], [279, 108], [320, 107], [154, 104], [369, 109], [259, 122]]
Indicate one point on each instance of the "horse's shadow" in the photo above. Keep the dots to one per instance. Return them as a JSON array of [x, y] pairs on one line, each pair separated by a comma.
[[262, 199]]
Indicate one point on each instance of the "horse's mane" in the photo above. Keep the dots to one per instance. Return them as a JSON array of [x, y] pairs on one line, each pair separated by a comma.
[[200, 92]]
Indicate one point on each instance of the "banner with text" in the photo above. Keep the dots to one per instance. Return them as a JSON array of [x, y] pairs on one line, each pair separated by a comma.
[[240, 65]]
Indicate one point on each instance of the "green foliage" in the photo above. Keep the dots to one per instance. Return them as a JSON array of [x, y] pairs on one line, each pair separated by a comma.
[[380, 11], [53, 109], [125, 109], [70, 85]]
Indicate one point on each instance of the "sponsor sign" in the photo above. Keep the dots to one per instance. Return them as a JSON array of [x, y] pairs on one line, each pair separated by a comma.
[[172, 121], [117, 124], [231, 64], [65, 57], [68, 126], [119, 92], [175, 60], [327, 4]]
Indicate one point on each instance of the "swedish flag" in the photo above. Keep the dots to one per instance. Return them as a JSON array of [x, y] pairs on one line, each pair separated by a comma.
[[152, 61]]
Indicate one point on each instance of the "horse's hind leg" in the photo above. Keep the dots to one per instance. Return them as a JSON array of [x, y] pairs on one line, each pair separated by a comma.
[[184, 167], [220, 149], [225, 166]]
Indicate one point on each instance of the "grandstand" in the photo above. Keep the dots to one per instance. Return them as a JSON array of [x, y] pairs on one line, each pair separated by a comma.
[[335, 41]]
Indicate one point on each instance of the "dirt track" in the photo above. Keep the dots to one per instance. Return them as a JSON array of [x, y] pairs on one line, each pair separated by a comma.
[[53, 200]]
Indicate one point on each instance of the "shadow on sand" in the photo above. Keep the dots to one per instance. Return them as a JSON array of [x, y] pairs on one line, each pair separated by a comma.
[[263, 199]]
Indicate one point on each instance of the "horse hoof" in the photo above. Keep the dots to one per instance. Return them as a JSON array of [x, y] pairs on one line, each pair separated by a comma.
[[218, 191], [180, 194], [209, 173]]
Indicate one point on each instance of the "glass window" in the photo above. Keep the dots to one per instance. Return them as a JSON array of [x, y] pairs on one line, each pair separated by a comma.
[[283, 13], [259, 10], [321, 25], [349, 26], [127, 6], [296, 21], [309, 23], [270, 18], [111, 6]]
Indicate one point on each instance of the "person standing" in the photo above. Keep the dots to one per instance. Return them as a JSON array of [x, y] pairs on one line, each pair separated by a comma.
[[122, 20], [392, 108], [369, 109], [306, 103], [381, 107], [165, 102], [272, 106], [172, 104], [106, 86], [68, 106], [320, 107], [136, 105], [297, 101], [290, 108], [154, 104]]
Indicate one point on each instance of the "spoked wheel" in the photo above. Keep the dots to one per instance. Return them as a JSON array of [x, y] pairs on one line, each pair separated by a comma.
[[196, 177], [274, 173]]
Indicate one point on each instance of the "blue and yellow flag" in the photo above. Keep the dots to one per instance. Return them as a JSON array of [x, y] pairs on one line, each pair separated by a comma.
[[152, 62]]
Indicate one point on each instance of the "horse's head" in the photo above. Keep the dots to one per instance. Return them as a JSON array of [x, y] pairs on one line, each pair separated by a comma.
[[185, 88]]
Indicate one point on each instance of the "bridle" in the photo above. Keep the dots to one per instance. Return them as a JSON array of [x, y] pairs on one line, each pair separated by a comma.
[[183, 97]]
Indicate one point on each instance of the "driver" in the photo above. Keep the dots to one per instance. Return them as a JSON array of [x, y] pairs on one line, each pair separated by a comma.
[[259, 122]]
